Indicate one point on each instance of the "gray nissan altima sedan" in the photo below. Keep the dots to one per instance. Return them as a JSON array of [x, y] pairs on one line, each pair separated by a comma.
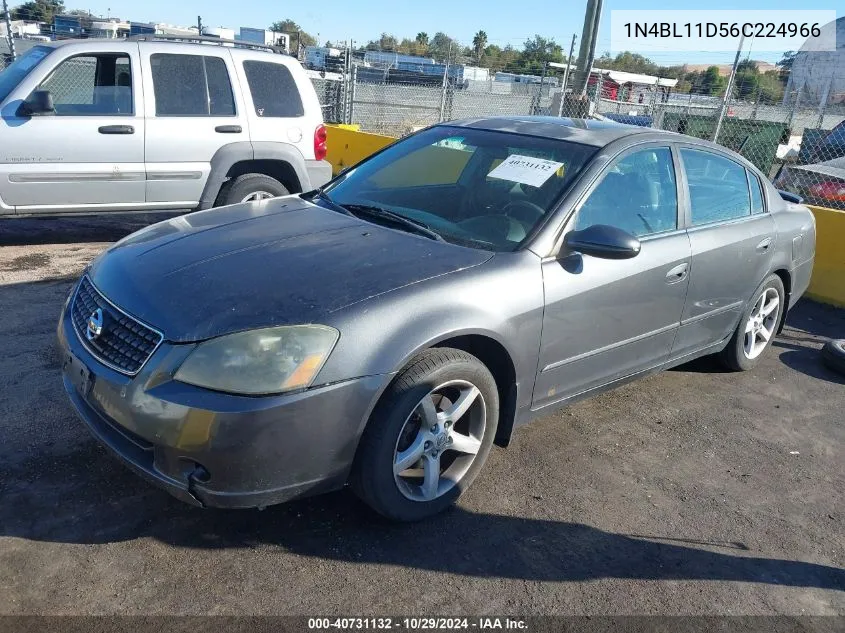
[[385, 330]]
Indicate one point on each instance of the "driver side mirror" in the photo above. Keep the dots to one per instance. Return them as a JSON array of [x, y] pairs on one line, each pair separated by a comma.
[[601, 240], [39, 103]]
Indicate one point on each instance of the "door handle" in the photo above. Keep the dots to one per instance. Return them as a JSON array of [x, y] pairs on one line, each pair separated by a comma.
[[678, 273], [763, 246], [116, 129], [228, 129]]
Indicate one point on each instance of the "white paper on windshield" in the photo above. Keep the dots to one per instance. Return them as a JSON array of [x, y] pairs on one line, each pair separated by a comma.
[[525, 170]]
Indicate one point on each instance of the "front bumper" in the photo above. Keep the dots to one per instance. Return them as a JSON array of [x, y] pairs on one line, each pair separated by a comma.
[[214, 449]]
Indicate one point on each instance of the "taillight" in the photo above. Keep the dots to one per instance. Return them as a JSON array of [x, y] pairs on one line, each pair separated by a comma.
[[320, 135]]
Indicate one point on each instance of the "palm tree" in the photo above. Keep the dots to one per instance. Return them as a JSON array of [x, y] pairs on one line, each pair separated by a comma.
[[422, 38], [479, 43]]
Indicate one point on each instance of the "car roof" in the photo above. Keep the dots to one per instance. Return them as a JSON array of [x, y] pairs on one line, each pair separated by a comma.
[[585, 131], [188, 44]]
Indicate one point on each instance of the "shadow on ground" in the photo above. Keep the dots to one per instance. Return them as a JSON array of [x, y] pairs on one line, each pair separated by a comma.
[[76, 229], [106, 503]]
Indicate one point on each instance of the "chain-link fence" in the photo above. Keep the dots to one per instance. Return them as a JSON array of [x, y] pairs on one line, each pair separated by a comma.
[[799, 142], [795, 136]]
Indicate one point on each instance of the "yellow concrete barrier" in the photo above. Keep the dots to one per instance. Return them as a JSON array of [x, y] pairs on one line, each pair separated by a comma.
[[828, 282], [347, 146]]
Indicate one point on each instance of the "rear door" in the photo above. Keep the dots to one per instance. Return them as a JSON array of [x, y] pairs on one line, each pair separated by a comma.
[[731, 246], [89, 154], [194, 107], [608, 319]]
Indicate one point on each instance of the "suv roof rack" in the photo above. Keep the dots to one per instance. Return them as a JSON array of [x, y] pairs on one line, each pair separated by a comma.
[[207, 39]]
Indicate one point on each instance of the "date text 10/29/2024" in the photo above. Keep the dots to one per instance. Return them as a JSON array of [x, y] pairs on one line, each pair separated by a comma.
[[416, 624]]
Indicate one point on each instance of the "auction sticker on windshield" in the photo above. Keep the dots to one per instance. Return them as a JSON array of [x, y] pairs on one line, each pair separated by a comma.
[[525, 170]]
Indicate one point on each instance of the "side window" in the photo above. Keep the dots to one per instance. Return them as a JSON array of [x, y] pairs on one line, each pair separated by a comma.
[[273, 90], [637, 194], [191, 85], [91, 85], [756, 193], [718, 187]]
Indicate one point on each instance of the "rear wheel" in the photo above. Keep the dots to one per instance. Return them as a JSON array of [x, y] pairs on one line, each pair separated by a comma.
[[757, 327], [252, 187], [428, 437]]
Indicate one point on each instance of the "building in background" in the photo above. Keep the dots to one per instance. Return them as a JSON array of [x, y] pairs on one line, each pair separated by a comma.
[[632, 87], [109, 29], [67, 27], [267, 38], [818, 77]]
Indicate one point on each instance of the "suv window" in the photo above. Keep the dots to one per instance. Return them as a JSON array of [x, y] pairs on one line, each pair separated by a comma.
[[20, 68], [638, 194], [718, 187], [191, 85], [273, 89], [89, 85], [756, 193]]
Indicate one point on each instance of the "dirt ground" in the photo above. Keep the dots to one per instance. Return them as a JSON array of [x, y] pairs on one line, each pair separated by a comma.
[[690, 492]]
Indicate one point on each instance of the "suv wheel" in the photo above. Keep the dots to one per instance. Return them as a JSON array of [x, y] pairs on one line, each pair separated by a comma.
[[428, 437], [250, 187]]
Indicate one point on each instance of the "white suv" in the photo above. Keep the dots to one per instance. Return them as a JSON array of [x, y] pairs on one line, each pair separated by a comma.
[[103, 125]]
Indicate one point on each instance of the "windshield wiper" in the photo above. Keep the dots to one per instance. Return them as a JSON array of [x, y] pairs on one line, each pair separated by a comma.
[[374, 211], [322, 195]]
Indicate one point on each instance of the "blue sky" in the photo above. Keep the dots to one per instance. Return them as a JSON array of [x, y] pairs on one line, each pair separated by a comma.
[[366, 19]]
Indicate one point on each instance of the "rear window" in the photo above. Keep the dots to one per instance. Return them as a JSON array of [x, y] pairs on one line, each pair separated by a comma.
[[274, 91], [191, 85]]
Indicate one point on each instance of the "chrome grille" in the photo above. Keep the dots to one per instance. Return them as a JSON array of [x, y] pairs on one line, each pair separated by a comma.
[[123, 343]]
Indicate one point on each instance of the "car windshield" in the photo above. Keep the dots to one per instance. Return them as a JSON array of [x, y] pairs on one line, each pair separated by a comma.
[[20, 68], [473, 187]]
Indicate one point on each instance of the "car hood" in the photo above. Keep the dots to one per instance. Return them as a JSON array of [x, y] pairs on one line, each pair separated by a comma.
[[274, 262]]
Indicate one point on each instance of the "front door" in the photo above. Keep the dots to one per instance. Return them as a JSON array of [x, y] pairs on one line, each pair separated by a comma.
[[608, 319], [89, 154]]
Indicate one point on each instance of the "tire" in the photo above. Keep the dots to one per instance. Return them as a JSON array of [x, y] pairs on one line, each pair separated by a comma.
[[246, 185], [833, 355], [735, 356], [399, 424]]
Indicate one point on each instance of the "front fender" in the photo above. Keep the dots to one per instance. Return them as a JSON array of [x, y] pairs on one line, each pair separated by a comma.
[[501, 299]]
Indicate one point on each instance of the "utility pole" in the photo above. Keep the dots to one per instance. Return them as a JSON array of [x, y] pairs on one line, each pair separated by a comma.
[[587, 50], [199, 25], [728, 90], [9, 30]]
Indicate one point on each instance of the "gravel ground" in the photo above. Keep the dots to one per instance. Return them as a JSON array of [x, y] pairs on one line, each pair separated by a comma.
[[690, 492]]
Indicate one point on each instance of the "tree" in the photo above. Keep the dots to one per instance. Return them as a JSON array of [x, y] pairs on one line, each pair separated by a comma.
[[422, 39], [386, 42], [536, 52], [710, 82], [299, 38], [444, 48], [479, 43], [38, 10]]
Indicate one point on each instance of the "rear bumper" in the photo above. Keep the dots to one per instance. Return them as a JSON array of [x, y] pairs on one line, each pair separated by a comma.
[[213, 449]]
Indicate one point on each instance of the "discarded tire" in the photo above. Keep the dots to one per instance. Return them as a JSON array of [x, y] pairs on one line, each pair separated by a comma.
[[833, 355]]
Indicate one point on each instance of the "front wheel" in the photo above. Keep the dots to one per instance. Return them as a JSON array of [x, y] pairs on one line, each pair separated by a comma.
[[428, 437], [757, 327]]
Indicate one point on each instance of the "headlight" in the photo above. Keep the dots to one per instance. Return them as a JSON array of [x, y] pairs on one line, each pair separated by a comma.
[[270, 360]]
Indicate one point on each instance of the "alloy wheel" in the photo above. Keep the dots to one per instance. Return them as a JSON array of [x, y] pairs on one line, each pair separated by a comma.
[[762, 323], [439, 441], [258, 195]]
